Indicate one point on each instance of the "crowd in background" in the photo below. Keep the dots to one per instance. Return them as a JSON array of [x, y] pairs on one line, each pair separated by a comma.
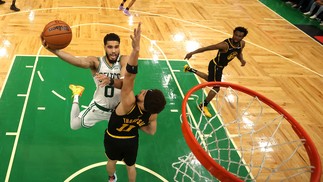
[[311, 8]]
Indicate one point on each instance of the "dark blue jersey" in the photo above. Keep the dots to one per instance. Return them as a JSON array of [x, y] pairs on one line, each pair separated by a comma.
[[126, 126], [223, 58]]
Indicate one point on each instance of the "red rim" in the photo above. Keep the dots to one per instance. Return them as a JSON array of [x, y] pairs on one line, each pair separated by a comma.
[[217, 170]]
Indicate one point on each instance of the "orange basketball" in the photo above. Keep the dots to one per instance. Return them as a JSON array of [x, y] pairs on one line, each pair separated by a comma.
[[57, 34]]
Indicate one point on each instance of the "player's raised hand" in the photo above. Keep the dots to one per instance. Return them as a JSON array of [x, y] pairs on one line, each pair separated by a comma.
[[136, 37]]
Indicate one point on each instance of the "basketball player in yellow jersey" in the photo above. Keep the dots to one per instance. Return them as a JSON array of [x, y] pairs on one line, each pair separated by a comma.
[[227, 50], [107, 93], [133, 113]]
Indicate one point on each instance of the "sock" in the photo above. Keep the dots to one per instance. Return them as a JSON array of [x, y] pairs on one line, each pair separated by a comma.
[[192, 70], [206, 103], [76, 99]]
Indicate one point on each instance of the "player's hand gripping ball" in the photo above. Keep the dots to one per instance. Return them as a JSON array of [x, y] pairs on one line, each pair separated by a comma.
[[57, 34]]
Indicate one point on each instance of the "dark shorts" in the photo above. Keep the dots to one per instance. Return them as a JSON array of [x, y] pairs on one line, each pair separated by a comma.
[[121, 149], [215, 72]]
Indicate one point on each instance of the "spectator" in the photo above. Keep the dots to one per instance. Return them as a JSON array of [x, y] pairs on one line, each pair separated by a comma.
[[316, 5]]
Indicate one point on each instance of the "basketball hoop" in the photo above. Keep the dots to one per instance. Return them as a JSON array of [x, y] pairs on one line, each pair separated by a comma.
[[248, 138]]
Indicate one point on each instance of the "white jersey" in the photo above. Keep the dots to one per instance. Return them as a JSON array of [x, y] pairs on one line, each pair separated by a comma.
[[108, 96]]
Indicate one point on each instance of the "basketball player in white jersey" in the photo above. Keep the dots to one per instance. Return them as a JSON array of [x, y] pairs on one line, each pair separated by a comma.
[[107, 93]]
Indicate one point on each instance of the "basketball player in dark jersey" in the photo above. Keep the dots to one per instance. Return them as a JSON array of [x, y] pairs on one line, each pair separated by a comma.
[[132, 113], [227, 50]]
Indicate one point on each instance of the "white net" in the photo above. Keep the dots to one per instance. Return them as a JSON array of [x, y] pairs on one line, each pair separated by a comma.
[[246, 137]]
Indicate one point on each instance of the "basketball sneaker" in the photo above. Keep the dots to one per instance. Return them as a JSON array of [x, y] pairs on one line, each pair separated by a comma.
[[121, 8], [313, 17], [113, 178], [126, 12], [187, 68], [204, 110], [307, 13], [14, 8], [76, 89]]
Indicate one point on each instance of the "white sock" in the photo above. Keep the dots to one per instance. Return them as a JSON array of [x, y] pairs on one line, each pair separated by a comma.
[[76, 99]]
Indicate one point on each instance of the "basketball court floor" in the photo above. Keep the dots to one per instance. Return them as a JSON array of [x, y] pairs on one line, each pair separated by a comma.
[[36, 142]]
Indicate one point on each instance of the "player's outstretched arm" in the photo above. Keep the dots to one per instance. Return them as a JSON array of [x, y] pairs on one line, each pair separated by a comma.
[[82, 62], [240, 55], [220, 45], [127, 95]]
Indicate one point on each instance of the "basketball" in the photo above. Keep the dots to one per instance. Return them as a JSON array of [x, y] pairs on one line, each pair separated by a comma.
[[57, 34]]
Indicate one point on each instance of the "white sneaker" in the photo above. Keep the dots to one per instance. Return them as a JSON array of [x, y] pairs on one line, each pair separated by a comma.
[[113, 178], [307, 13], [313, 17]]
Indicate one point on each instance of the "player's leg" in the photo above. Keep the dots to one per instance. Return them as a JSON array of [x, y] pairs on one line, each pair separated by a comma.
[[187, 68], [122, 4], [112, 151], [131, 173], [131, 149], [215, 74], [75, 121], [111, 169], [126, 11], [130, 4]]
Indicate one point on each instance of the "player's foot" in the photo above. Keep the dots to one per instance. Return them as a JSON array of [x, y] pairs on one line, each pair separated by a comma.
[[313, 17], [187, 68], [126, 12], [121, 8], [2, 2], [307, 13], [14, 8], [76, 89], [205, 110], [113, 178]]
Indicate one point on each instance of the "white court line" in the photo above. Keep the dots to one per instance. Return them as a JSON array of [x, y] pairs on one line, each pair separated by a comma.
[[40, 76], [29, 66], [41, 108], [58, 95], [176, 70], [174, 110], [119, 163], [14, 148], [11, 133], [21, 95], [83, 106]]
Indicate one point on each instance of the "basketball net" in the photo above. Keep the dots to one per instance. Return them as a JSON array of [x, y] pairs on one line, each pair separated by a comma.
[[248, 138]]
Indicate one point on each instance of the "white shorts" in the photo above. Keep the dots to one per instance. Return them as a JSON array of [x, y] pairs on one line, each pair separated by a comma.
[[92, 115]]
